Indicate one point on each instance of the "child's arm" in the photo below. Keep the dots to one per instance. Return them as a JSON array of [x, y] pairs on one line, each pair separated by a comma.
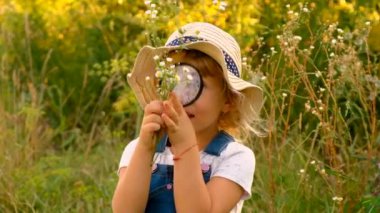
[[190, 191], [132, 190]]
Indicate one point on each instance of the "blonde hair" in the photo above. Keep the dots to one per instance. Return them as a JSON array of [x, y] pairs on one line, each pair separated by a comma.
[[241, 119]]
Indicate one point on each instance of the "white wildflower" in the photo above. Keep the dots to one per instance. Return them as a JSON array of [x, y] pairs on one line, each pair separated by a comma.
[[299, 38], [148, 12], [153, 5], [338, 199], [158, 74], [367, 23], [312, 162], [333, 42], [318, 74], [162, 63], [147, 78], [156, 57], [147, 2], [307, 106], [284, 95], [189, 77], [302, 171], [169, 59]]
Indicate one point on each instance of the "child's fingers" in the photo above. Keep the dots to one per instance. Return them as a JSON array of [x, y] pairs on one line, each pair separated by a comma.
[[169, 111], [153, 118], [155, 107], [152, 127], [171, 126], [176, 103]]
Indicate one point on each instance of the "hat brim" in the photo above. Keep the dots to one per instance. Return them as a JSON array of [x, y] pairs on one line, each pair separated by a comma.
[[145, 67]]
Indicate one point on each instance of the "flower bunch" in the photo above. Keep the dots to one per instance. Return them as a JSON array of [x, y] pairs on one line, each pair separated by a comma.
[[166, 75]]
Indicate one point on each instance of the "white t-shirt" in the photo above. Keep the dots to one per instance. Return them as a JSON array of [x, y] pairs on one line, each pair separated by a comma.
[[236, 163]]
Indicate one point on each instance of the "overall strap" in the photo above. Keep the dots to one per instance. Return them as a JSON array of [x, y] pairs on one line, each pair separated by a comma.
[[215, 147], [219, 143]]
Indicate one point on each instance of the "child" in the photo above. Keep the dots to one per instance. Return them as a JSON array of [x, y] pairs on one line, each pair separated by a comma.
[[198, 165]]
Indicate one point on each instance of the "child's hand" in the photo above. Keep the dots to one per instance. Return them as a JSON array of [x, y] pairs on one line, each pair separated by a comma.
[[152, 123], [179, 127]]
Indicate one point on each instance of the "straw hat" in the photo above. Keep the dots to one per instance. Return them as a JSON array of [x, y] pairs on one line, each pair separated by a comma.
[[204, 37]]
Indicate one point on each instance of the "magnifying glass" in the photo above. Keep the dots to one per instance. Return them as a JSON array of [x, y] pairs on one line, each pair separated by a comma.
[[190, 84]]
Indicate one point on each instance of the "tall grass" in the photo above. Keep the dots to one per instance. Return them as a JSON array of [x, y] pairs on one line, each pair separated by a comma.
[[49, 161], [322, 88]]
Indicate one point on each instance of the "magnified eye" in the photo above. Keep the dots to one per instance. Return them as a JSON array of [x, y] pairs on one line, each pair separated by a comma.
[[190, 84]]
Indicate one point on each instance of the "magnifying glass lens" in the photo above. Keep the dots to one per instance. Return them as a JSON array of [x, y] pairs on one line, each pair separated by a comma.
[[190, 85]]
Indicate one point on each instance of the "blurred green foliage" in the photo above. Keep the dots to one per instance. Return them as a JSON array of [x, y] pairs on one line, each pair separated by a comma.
[[66, 111]]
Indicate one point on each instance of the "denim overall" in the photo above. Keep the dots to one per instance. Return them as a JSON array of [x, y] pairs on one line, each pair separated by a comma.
[[161, 198]]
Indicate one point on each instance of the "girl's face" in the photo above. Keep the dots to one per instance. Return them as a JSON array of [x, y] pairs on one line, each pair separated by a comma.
[[205, 111]]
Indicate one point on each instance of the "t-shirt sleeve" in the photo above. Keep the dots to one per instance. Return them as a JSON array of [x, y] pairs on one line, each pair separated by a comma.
[[127, 154], [237, 163]]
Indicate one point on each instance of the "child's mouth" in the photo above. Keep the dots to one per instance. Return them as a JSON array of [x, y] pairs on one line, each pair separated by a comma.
[[190, 115]]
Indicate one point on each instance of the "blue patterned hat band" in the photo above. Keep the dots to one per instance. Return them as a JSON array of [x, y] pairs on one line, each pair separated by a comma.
[[231, 66]]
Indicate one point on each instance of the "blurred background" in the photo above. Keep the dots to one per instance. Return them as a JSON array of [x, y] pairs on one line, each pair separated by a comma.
[[66, 111]]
